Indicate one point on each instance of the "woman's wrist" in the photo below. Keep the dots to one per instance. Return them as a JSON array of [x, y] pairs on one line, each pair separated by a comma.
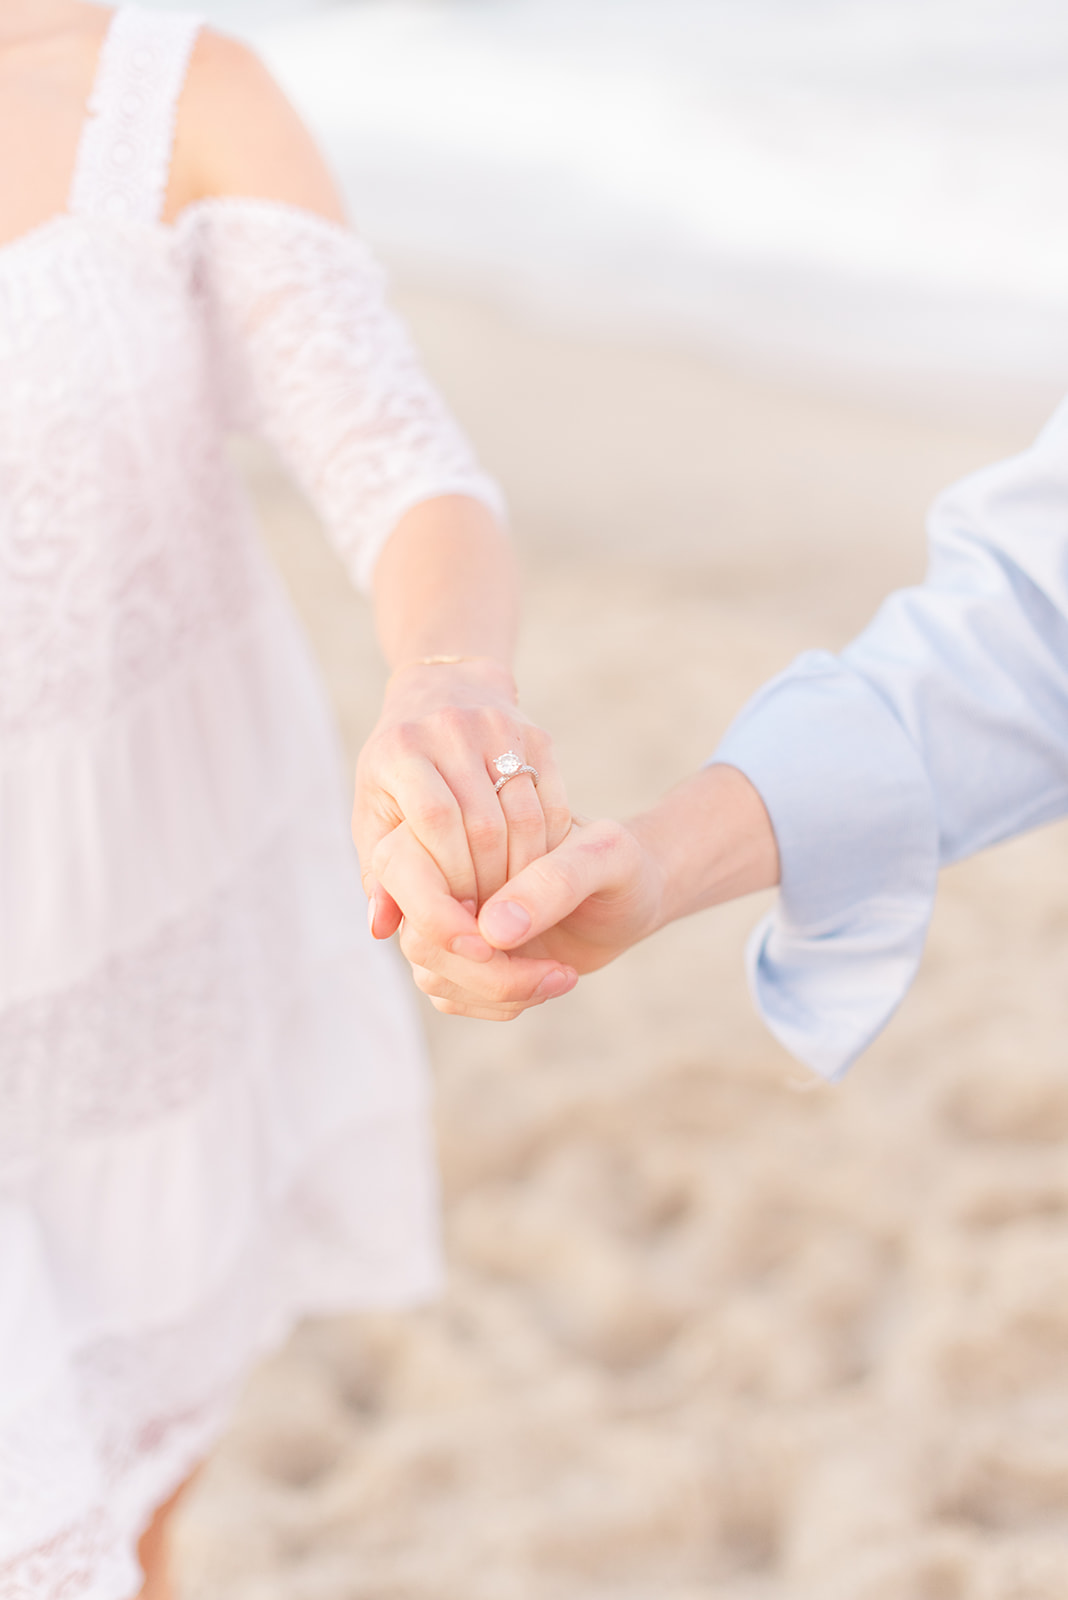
[[476, 662], [452, 679]]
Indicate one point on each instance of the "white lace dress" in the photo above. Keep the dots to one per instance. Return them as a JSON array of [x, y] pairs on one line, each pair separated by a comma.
[[212, 1105]]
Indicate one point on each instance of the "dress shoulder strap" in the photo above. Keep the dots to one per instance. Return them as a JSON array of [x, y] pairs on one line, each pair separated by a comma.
[[124, 157]]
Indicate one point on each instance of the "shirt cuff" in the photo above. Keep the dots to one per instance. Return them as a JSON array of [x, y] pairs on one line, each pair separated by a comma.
[[855, 822]]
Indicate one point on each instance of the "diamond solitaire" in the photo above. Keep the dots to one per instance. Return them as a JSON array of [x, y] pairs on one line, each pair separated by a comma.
[[510, 766]]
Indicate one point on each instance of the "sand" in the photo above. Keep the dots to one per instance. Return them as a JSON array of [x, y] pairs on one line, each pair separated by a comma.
[[712, 1329]]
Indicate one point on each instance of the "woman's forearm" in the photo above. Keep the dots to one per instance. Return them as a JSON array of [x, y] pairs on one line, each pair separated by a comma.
[[445, 585]]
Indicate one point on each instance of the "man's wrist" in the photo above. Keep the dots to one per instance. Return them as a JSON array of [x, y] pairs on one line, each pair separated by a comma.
[[710, 840]]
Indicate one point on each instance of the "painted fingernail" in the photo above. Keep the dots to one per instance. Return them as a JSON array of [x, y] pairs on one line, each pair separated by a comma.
[[506, 921], [471, 947], [372, 907], [556, 984]]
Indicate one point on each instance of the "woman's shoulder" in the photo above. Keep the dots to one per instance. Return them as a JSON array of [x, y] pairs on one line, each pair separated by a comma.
[[239, 135]]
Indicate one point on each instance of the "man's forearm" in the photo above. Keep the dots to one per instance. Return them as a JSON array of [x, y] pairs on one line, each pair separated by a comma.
[[712, 840]]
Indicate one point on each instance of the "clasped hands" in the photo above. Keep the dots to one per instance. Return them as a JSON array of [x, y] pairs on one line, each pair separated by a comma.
[[504, 899]]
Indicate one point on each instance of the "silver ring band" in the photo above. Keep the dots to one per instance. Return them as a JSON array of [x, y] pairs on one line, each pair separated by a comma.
[[531, 772], [512, 766]]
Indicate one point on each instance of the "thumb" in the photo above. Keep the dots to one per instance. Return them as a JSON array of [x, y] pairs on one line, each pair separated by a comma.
[[551, 888]]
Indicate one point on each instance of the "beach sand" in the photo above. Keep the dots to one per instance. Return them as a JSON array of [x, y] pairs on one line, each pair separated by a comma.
[[712, 1329]]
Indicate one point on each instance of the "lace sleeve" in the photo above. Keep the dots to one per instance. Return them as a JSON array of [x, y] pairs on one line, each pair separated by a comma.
[[315, 362]]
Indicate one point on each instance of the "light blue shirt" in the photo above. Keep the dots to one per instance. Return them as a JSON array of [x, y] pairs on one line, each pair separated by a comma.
[[942, 729]]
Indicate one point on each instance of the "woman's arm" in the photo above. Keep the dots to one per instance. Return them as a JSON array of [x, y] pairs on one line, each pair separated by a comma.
[[445, 588], [941, 730], [327, 374]]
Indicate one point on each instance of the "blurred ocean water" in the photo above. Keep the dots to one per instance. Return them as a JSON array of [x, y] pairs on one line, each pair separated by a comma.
[[874, 187]]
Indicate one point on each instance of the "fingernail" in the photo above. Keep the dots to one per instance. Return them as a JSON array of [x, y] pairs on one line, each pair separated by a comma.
[[372, 907], [470, 906], [506, 921], [556, 984], [471, 947]]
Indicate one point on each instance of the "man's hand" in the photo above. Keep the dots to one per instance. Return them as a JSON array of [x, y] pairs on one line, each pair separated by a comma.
[[567, 913], [608, 885]]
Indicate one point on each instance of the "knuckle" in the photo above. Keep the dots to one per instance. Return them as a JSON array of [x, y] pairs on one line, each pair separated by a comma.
[[606, 838], [462, 720], [414, 947], [500, 990], [381, 856], [399, 740], [433, 814], [501, 726], [550, 873], [557, 818], [456, 722], [486, 830], [527, 822]]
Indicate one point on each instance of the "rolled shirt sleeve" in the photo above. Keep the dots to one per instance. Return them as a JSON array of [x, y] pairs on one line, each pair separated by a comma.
[[942, 729]]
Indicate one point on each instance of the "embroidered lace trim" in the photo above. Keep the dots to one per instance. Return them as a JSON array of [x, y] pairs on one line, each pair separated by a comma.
[[127, 545], [322, 367], [124, 157]]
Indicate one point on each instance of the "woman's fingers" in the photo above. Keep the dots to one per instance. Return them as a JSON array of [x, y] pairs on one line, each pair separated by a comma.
[[412, 879], [435, 814], [422, 796], [594, 859], [525, 821], [391, 775], [452, 962], [552, 795], [384, 915], [438, 773], [534, 805], [484, 822]]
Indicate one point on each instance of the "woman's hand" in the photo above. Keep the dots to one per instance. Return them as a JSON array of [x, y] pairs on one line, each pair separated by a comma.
[[605, 887], [429, 764], [567, 913]]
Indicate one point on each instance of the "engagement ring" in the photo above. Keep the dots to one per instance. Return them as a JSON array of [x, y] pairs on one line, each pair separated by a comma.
[[512, 766]]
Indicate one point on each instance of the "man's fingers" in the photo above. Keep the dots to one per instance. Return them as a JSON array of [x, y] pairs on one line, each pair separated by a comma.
[[499, 991], [504, 985], [550, 889]]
